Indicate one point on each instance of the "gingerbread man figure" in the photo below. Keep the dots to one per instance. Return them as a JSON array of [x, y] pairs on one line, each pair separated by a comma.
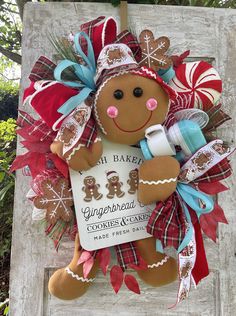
[[129, 99], [114, 185], [91, 189], [133, 181]]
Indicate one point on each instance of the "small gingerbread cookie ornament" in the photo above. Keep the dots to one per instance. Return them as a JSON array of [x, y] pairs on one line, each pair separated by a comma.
[[154, 50], [56, 199]]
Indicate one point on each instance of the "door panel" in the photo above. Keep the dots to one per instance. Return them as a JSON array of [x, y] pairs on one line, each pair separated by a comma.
[[210, 34]]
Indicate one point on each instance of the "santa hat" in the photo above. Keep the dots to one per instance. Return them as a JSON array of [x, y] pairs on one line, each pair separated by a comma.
[[118, 59], [111, 174]]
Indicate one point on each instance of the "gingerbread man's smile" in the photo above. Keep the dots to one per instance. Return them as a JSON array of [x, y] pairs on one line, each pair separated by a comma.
[[134, 130]]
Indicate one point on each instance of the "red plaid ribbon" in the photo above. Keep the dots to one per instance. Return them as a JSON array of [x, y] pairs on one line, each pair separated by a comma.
[[124, 37], [131, 41], [43, 69], [219, 172], [127, 254], [216, 118], [167, 222], [88, 28], [37, 129], [24, 119], [90, 133]]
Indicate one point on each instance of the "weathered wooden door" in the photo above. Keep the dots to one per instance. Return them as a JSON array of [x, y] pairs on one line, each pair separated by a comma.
[[208, 33]]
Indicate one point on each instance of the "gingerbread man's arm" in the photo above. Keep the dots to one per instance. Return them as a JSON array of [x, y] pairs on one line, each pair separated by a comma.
[[157, 179], [79, 158]]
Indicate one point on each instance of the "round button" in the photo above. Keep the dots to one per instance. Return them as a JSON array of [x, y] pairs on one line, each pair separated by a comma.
[[118, 94], [137, 92]]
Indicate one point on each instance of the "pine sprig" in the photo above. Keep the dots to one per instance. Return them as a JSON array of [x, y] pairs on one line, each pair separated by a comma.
[[63, 48], [65, 51]]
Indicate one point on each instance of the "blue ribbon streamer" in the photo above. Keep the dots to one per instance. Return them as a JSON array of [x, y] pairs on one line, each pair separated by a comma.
[[191, 197], [85, 74]]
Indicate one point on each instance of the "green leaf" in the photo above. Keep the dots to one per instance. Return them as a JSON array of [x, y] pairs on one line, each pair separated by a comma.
[[2, 176], [4, 191], [6, 311]]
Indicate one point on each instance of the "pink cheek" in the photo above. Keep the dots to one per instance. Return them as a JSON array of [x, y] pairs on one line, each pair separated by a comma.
[[112, 111], [151, 104]]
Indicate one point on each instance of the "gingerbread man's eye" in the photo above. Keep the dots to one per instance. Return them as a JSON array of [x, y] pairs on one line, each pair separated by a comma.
[[137, 92], [118, 94]]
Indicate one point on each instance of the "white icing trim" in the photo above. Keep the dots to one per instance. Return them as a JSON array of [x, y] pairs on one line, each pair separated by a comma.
[[77, 277], [158, 264], [78, 148], [54, 127], [104, 29], [37, 90], [158, 181]]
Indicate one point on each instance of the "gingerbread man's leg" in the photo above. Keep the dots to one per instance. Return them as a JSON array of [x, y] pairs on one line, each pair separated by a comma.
[[88, 197], [161, 270], [111, 192], [68, 283], [97, 195], [119, 193], [132, 190]]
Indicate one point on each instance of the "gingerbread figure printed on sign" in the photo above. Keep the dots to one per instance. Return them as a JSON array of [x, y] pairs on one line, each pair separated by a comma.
[[133, 181], [91, 189], [114, 185]]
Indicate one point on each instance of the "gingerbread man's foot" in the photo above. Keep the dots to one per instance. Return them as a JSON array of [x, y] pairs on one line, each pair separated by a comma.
[[131, 192], [161, 270], [68, 283], [119, 195], [110, 196], [87, 199], [157, 179], [99, 196]]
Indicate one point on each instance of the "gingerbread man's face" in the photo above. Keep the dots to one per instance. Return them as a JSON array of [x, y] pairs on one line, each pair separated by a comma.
[[126, 105], [133, 174], [114, 179], [89, 181]]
